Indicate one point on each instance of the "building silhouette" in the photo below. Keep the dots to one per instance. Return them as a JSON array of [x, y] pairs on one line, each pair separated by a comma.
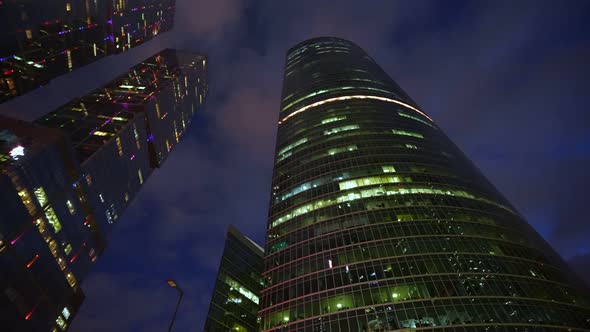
[[235, 299], [67, 178], [379, 222], [40, 40]]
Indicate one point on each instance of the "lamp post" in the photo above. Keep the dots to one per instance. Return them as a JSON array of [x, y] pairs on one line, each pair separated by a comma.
[[173, 284]]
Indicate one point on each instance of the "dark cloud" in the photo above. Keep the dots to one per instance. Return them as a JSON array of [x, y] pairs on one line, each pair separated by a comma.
[[506, 80]]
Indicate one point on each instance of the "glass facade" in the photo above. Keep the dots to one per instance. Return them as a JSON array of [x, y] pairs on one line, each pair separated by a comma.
[[67, 178], [40, 40], [236, 296], [378, 222]]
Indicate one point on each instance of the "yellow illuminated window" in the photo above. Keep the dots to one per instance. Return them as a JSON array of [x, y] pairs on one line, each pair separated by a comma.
[[102, 133], [61, 323], [119, 146], [26, 199], [136, 136], [140, 175], [158, 111], [29, 33], [71, 279]]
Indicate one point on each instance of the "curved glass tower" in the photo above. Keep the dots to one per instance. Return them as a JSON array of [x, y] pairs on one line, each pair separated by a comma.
[[379, 222]]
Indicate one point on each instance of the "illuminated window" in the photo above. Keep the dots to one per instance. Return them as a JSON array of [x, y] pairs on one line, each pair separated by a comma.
[[334, 151], [69, 54], [67, 248], [411, 146], [29, 33], [126, 197], [406, 133], [88, 179], [176, 134], [140, 176], [119, 146], [136, 136], [61, 323], [339, 129], [333, 119], [414, 118], [41, 197], [283, 152], [52, 219], [158, 110], [66, 313], [388, 169], [102, 133], [234, 285], [168, 146], [377, 192], [368, 182], [71, 279], [27, 201], [68, 7], [70, 207]]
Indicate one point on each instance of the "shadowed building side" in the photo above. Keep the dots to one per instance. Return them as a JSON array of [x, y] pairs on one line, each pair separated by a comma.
[[378, 222], [67, 178], [235, 300], [41, 40]]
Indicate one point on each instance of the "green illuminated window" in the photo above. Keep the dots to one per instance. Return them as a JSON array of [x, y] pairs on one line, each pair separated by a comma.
[[334, 151], [377, 192], [282, 153], [339, 129], [414, 118], [52, 219], [368, 181], [407, 133], [41, 197], [333, 119], [388, 169], [70, 207], [234, 285]]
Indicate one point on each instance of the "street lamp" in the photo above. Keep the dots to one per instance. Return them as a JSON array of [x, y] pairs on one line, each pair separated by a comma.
[[173, 284]]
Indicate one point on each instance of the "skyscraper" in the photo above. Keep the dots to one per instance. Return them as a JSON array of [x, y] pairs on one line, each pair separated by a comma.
[[40, 40], [235, 299], [66, 179], [379, 222]]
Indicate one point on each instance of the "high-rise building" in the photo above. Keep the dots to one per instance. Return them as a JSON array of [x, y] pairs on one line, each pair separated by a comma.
[[66, 178], [40, 40], [379, 222], [235, 300]]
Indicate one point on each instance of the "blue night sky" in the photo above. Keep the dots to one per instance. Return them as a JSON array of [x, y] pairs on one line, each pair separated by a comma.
[[508, 81]]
